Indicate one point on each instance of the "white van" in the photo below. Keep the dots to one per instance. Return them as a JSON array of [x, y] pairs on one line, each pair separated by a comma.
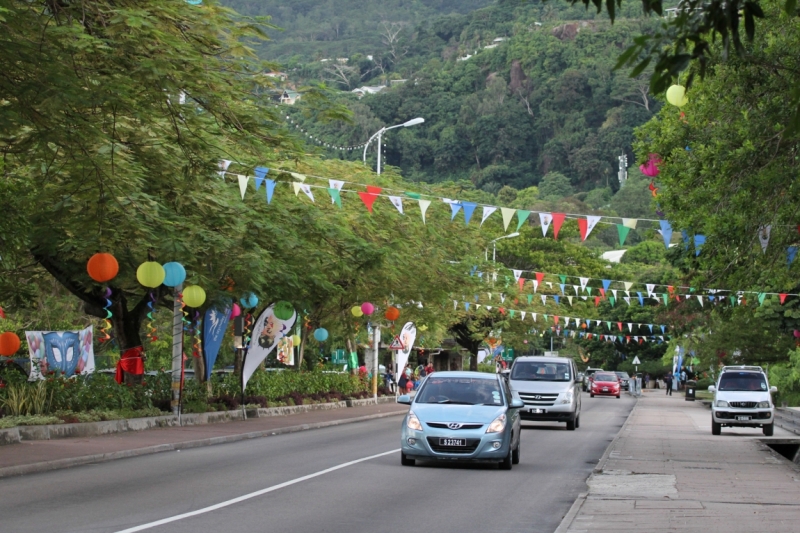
[[742, 397], [549, 387]]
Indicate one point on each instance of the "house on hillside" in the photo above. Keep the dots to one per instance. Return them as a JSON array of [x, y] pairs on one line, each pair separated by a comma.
[[278, 75], [361, 91], [290, 97]]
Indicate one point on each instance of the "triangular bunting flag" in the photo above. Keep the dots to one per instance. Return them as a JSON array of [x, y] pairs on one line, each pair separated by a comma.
[[335, 196], [423, 206], [296, 186], [588, 225], [455, 207], [539, 276], [700, 299], [336, 184], [517, 274], [414, 195], [606, 284], [584, 281], [223, 165], [298, 177], [242, 184], [261, 174], [521, 282], [570, 299], [507, 213], [522, 216], [544, 299], [623, 233], [397, 201], [782, 296], [763, 237], [761, 297], [487, 211], [699, 241], [628, 285], [629, 223], [627, 299], [558, 220], [666, 232], [270, 190], [650, 288], [307, 190], [545, 219]]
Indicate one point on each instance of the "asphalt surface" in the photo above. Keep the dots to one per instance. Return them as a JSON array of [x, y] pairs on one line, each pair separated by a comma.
[[341, 479]]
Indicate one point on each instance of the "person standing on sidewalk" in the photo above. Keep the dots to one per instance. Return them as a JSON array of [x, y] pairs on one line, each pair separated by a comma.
[[647, 381], [668, 382]]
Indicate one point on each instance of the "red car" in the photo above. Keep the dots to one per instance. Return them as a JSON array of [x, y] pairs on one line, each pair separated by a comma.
[[605, 384]]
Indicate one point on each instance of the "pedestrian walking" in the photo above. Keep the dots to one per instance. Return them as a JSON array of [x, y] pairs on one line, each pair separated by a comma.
[[389, 377], [647, 381], [429, 368], [402, 383], [668, 382]]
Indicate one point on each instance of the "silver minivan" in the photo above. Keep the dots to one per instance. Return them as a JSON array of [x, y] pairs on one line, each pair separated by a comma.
[[549, 387]]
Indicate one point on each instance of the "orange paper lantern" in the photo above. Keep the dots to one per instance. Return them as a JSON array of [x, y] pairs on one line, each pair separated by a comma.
[[9, 343], [392, 314], [102, 267]]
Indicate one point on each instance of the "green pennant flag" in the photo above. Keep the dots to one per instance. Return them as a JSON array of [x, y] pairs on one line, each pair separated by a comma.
[[414, 195], [733, 300], [619, 337], [691, 289], [608, 325], [612, 300], [589, 290], [761, 297], [562, 278], [623, 233], [666, 298], [512, 312], [522, 216], [335, 196], [530, 298]]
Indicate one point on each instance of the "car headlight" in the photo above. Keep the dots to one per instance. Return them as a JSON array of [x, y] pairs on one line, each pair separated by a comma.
[[722, 403], [498, 425], [413, 422], [568, 396], [762, 405]]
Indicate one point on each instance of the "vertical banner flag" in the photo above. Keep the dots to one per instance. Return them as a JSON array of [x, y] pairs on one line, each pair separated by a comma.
[[267, 331], [487, 211], [545, 219], [215, 322], [64, 352], [407, 336]]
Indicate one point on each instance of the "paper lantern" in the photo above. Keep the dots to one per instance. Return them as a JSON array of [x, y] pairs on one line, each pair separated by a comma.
[[676, 95], [174, 274], [296, 340], [9, 343], [194, 296], [283, 310], [102, 267], [150, 274], [236, 311], [321, 334], [356, 311], [249, 300], [392, 314], [367, 308]]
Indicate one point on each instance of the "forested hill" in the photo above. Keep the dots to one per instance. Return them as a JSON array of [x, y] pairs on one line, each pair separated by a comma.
[[511, 92]]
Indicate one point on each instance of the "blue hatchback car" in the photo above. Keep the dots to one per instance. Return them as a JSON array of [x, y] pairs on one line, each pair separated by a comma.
[[462, 416]]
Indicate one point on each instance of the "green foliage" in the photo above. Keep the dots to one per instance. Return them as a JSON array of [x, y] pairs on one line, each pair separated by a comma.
[[276, 385], [554, 186], [646, 252]]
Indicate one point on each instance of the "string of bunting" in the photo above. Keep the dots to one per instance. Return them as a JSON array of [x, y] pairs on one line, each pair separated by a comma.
[[320, 141]]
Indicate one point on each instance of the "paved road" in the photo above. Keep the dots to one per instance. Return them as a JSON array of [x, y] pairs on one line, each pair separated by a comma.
[[329, 480]]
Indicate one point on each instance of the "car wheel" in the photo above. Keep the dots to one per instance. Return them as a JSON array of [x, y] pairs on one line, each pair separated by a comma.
[[617, 396], [768, 429], [515, 454], [578, 421], [505, 464], [716, 428], [405, 461], [571, 425], [591, 395]]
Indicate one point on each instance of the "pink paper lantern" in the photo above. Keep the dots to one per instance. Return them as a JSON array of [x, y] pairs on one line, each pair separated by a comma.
[[236, 311], [367, 308], [796, 334], [650, 169]]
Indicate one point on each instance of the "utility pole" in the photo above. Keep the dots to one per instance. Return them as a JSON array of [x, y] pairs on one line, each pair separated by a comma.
[[177, 350], [623, 170]]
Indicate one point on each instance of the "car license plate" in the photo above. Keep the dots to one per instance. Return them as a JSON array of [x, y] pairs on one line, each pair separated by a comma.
[[605, 389], [743, 417], [452, 442], [537, 411]]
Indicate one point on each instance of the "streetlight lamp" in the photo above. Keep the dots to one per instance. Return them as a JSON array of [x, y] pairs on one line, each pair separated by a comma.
[[379, 134], [494, 245]]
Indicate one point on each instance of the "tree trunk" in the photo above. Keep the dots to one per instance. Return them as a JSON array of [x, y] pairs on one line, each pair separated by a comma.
[[303, 338], [126, 327], [473, 362]]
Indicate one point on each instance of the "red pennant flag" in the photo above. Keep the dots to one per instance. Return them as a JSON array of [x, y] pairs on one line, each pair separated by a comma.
[[521, 282], [782, 296], [371, 189], [368, 198], [588, 335], [619, 325], [641, 340], [539, 277], [502, 310], [670, 288], [555, 319], [677, 297], [628, 338], [602, 292], [3, 313], [596, 301], [744, 301], [582, 226], [558, 219]]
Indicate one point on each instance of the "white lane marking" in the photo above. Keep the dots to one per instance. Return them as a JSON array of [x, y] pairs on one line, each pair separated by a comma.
[[273, 488]]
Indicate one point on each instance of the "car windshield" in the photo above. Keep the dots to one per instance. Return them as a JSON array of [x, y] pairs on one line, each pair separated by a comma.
[[605, 377], [541, 371], [623, 375], [464, 391], [742, 381]]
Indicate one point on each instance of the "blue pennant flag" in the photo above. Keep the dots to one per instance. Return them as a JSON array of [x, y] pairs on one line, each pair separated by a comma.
[[454, 207], [469, 207], [699, 241], [651, 327], [562, 288], [606, 284], [662, 329], [556, 298], [270, 190], [261, 174], [473, 270], [791, 252], [641, 299], [666, 231], [466, 306]]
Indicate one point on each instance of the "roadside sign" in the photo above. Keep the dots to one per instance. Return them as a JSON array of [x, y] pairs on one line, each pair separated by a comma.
[[338, 357], [636, 361], [397, 344]]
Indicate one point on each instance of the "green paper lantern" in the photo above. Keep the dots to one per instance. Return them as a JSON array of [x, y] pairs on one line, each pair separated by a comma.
[[194, 296], [283, 310], [150, 274]]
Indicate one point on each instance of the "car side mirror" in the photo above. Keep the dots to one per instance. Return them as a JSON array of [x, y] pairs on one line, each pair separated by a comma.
[[712, 388], [773, 389], [516, 403], [405, 399]]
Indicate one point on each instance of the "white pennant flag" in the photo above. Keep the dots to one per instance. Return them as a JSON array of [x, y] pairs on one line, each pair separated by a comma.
[[534, 316], [397, 202], [591, 222], [223, 164], [583, 298], [423, 206], [614, 292], [628, 285], [490, 295], [630, 327], [763, 237], [517, 274], [575, 288], [488, 307], [597, 322], [566, 321], [494, 276], [455, 305], [242, 184], [584, 281], [549, 284], [336, 184], [545, 219], [502, 298], [570, 299], [296, 187], [627, 300], [535, 285], [650, 288], [507, 213], [636, 338], [629, 222], [487, 211], [627, 293], [307, 190], [544, 299], [523, 315], [298, 177], [700, 299]]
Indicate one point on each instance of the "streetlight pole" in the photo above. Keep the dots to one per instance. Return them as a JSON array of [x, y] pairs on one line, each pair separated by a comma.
[[379, 134], [494, 245]]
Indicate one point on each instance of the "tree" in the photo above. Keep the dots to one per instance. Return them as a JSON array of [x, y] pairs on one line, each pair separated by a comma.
[[554, 186]]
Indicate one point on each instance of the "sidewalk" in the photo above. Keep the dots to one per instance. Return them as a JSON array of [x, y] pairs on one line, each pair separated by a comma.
[[42, 455], [666, 472]]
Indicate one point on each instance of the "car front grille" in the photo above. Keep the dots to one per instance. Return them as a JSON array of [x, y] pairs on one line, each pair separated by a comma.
[[444, 425], [472, 445], [761, 415], [743, 405], [537, 400]]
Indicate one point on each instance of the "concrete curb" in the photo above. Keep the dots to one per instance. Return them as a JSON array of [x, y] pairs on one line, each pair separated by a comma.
[[46, 466], [566, 522]]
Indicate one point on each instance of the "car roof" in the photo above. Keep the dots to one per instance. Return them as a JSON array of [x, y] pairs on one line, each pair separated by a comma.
[[542, 359], [464, 374]]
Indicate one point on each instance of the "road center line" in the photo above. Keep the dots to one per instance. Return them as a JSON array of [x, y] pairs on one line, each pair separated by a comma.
[[273, 488]]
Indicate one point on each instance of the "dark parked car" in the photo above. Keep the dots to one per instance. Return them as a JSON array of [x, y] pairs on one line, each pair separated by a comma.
[[624, 379]]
